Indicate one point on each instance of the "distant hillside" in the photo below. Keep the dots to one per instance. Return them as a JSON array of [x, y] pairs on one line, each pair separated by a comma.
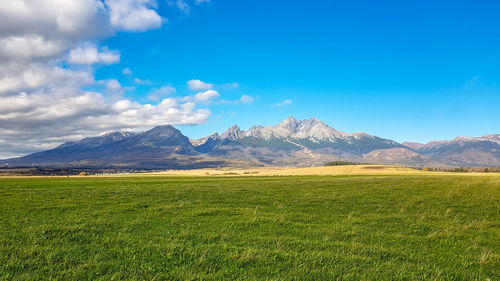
[[462, 151], [292, 142]]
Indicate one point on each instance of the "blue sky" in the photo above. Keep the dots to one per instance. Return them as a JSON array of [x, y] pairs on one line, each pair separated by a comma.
[[403, 70]]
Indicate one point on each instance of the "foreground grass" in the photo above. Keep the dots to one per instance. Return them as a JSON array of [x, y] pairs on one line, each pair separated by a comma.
[[281, 228]]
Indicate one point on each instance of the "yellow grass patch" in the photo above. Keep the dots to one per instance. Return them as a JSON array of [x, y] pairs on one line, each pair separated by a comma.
[[312, 171]]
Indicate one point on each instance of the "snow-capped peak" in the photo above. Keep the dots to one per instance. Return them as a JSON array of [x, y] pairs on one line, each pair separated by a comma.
[[233, 133]]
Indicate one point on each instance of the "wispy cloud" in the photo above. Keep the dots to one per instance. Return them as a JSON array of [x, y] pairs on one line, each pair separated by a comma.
[[246, 99], [142, 82], [161, 93], [233, 85], [127, 71], [283, 103], [182, 5]]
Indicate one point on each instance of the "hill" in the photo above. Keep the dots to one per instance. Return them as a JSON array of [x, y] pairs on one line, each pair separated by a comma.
[[293, 142]]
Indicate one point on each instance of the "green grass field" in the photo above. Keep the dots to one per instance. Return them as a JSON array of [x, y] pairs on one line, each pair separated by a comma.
[[268, 228]]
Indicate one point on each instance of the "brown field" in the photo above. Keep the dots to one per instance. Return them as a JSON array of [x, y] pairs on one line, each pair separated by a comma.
[[345, 170], [310, 171]]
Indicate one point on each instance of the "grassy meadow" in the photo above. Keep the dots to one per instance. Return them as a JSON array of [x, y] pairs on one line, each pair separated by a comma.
[[371, 227]]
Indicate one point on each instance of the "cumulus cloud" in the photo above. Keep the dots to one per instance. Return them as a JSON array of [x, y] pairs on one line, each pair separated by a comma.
[[207, 95], [198, 85], [16, 78], [134, 15], [160, 93], [114, 90], [168, 111], [90, 55], [47, 68], [29, 47], [40, 124], [54, 19]]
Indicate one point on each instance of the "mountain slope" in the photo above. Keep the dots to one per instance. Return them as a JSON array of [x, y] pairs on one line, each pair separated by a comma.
[[292, 142], [475, 151], [117, 147], [71, 151], [159, 141], [293, 135]]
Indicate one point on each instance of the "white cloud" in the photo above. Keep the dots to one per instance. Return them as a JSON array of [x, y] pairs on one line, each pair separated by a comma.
[[44, 101], [127, 71], [114, 89], [133, 115], [69, 20], [198, 85], [161, 93], [113, 85], [89, 54], [142, 82], [183, 6], [39, 123], [283, 103], [134, 15], [246, 99], [29, 47], [207, 95], [39, 77]]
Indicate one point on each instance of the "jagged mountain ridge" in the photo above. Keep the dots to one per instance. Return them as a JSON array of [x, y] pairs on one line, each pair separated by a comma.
[[292, 134], [292, 143], [92, 142], [313, 129], [159, 142]]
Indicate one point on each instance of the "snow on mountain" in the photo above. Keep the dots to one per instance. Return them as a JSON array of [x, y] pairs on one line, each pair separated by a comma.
[[311, 129], [233, 133]]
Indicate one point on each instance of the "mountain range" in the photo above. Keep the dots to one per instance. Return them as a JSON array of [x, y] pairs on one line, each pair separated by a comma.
[[292, 142]]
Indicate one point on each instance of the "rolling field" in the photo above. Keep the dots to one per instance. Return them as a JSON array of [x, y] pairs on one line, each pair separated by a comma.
[[343, 170], [370, 227]]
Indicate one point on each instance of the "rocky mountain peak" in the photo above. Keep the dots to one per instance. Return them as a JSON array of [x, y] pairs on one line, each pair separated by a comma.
[[290, 124], [290, 140], [316, 129], [308, 124], [116, 136], [160, 136], [214, 135], [163, 131], [494, 137], [233, 133], [201, 141]]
